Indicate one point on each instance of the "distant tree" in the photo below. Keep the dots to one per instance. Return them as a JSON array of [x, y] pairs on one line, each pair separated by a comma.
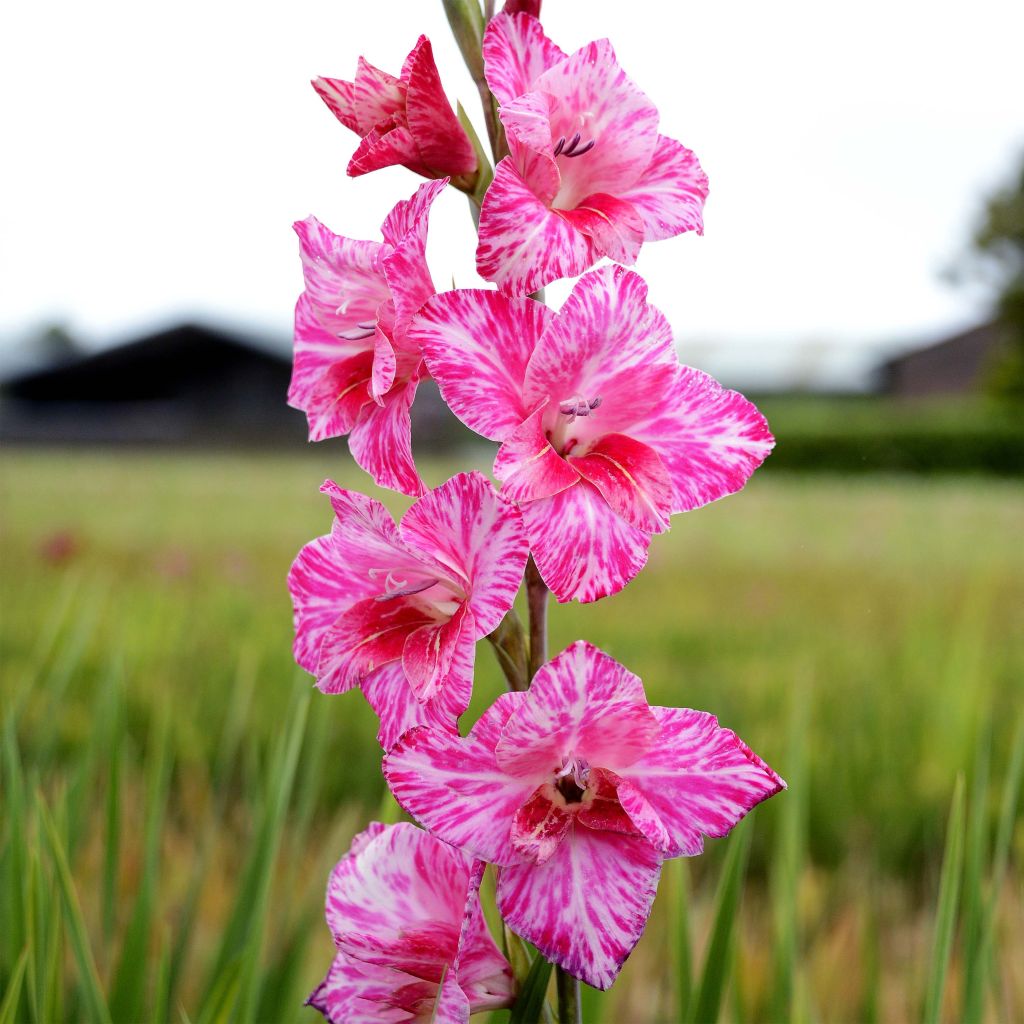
[[1000, 242], [56, 345]]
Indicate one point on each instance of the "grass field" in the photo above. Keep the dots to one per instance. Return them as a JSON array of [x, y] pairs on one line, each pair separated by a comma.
[[174, 792]]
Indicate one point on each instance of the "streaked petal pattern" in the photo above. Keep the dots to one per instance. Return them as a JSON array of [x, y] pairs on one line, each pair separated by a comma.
[[699, 778], [585, 908], [670, 194], [516, 54]]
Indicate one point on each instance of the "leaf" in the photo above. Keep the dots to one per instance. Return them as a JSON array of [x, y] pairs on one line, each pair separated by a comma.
[[530, 1003], [708, 998], [9, 1007], [945, 917], [94, 1003]]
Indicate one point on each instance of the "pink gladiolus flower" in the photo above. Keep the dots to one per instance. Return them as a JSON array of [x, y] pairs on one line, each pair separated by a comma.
[[578, 789], [405, 120], [355, 371], [604, 434], [397, 610], [404, 910], [588, 175]]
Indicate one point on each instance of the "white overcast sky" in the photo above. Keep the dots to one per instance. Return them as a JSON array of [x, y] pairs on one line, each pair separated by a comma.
[[156, 155]]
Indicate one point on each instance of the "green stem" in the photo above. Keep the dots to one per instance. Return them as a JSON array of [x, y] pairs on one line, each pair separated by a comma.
[[537, 605], [568, 988]]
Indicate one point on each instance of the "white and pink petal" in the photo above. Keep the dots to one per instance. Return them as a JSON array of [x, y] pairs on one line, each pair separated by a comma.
[[671, 192], [516, 53]]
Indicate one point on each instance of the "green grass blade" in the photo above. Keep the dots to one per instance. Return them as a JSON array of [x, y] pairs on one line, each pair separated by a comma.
[[112, 838], [529, 1006], [9, 1007], [945, 917], [677, 885], [975, 858], [15, 849], [708, 997], [129, 990], [94, 1003]]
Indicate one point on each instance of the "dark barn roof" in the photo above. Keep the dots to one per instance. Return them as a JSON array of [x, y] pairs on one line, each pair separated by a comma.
[[188, 384], [952, 366]]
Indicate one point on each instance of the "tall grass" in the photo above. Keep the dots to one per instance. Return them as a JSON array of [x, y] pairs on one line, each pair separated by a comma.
[[174, 793]]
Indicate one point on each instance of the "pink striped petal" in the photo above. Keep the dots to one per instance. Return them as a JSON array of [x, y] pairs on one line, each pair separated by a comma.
[[585, 908], [456, 788], [386, 144], [469, 529], [319, 593], [340, 100], [528, 466], [614, 225], [603, 335], [405, 267], [428, 652], [381, 441], [698, 778], [329, 382], [709, 439], [602, 811], [376, 95], [583, 550], [631, 478], [582, 703], [344, 280], [364, 637], [357, 993], [524, 245], [443, 144], [541, 824], [516, 53], [389, 694], [385, 365], [670, 194], [399, 902], [476, 345], [527, 124], [592, 95]]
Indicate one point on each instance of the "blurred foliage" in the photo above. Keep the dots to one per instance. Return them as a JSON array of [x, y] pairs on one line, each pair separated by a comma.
[[868, 434], [1000, 241], [175, 792]]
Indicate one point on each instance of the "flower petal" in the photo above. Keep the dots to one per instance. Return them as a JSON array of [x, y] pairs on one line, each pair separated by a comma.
[[399, 902], [381, 441], [469, 529], [359, 993], [340, 100], [344, 280], [476, 345], [585, 908], [698, 778], [516, 53], [429, 651], [443, 144], [405, 267], [528, 466], [592, 95], [581, 703], [631, 478], [670, 194], [524, 245], [319, 593], [376, 95], [614, 224], [710, 440], [455, 787], [604, 334], [386, 144], [582, 548], [527, 124], [365, 636], [541, 824]]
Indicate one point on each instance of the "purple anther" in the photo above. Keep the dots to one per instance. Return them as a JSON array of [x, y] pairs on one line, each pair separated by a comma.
[[583, 149], [412, 588], [359, 332], [560, 146], [594, 403]]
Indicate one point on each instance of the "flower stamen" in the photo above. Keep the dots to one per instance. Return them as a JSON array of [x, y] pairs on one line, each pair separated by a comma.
[[575, 406], [360, 331], [573, 147]]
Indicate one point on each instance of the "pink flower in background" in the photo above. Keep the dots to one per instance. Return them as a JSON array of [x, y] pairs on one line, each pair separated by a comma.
[[397, 610], [578, 789], [588, 174], [355, 371], [404, 910], [604, 434], [406, 120]]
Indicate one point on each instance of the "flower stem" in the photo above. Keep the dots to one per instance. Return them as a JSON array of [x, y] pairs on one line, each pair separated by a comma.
[[568, 988], [537, 606]]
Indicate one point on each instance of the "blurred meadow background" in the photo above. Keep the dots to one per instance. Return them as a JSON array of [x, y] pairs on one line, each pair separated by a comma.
[[174, 791]]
